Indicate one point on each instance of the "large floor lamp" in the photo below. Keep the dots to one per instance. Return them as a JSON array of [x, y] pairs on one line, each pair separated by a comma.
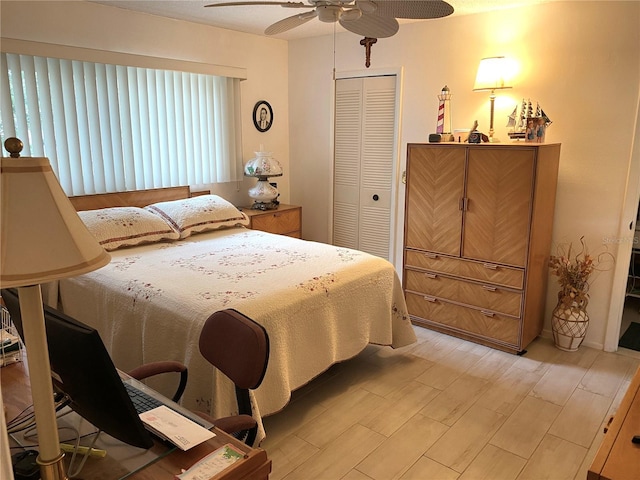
[[41, 239]]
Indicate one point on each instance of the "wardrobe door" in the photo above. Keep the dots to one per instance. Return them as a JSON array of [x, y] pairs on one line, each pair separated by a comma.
[[498, 208], [435, 191]]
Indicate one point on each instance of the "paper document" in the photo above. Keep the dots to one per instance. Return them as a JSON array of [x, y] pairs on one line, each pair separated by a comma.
[[179, 430], [212, 464]]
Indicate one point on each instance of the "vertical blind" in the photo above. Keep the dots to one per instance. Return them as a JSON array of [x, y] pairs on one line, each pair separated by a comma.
[[108, 128]]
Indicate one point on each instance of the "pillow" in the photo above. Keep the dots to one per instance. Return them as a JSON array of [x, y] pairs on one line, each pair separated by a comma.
[[126, 226], [199, 214]]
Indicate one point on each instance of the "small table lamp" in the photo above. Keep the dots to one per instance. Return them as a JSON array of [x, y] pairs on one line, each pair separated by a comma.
[[493, 73], [263, 166], [42, 239]]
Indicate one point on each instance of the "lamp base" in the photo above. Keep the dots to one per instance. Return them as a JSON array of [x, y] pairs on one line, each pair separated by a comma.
[[272, 205], [263, 191], [53, 469]]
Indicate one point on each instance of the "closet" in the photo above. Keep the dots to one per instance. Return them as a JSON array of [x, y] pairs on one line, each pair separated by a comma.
[[364, 163], [478, 224]]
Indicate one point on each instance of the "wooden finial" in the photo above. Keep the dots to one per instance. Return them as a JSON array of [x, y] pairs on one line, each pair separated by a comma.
[[367, 42], [14, 146]]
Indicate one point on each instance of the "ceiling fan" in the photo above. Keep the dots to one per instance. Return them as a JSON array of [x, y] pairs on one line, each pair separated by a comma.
[[370, 18]]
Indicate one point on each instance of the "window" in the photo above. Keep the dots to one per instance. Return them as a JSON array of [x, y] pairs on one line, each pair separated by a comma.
[[109, 128]]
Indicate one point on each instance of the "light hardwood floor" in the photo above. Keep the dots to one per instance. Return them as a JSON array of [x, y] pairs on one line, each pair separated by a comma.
[[445, 408]]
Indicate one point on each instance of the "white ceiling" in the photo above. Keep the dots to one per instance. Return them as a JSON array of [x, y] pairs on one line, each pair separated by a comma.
[[254, 19]]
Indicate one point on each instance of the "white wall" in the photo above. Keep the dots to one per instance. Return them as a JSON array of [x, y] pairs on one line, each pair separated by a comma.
[[578, 59], [100, 27]]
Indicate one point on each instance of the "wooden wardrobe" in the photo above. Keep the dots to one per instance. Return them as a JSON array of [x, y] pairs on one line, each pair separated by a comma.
[[477, 240]]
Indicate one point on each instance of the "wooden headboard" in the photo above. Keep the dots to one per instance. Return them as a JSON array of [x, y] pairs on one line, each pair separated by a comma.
[[135, 198]]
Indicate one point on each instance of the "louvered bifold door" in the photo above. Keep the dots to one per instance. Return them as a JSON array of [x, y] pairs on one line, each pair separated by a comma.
[[365, 148], [378, 146], [346, 176]]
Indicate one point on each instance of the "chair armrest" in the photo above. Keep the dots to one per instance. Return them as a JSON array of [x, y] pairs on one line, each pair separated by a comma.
[[155, 368], [232, 424]]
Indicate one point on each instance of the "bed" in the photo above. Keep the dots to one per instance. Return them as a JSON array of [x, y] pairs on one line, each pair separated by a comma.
[[320, 304]]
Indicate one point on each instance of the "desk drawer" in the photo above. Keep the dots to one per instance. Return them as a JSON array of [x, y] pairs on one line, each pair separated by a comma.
[[482, 272], [485, 296], [486, 324]]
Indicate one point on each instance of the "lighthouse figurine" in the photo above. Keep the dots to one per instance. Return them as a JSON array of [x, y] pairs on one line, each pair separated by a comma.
[[443, 126]]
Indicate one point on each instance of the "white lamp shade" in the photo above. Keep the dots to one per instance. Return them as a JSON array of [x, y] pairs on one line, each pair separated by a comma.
[[494, 73], [263, 165], [42, 237]]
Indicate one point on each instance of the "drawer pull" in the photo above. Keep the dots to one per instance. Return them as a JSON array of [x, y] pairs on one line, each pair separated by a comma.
[[490, 266], [430, 299], [430, 275], [487, 314], [431, 255], [489, 288]]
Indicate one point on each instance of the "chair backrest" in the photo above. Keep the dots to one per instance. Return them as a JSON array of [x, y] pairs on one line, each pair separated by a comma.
[[237, 346]]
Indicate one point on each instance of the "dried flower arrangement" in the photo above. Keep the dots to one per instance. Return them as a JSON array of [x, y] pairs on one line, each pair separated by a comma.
[[574, 272]]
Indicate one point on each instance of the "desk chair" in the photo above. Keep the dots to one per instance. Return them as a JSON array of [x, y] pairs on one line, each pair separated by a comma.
[[239, 348]]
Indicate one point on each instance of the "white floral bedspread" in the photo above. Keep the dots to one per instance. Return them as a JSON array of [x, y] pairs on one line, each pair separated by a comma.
[[320, 304]]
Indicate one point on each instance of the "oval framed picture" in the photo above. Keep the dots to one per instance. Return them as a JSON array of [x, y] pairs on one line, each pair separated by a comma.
[[263, 116]]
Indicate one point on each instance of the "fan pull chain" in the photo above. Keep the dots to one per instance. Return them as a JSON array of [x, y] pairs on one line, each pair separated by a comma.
[[334, 52]]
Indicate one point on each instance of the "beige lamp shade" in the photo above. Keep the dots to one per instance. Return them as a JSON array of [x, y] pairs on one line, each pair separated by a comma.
[[493, 74], [42, 237]]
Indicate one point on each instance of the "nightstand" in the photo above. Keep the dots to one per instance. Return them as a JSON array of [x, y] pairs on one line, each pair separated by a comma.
[[285, 220]]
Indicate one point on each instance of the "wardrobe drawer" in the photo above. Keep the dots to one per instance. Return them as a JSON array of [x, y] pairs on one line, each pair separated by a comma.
[[482, 272], [486, 324], [485, 296]]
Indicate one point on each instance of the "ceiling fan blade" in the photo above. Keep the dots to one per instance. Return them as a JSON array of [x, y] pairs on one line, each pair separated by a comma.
[[289, 23], [282, 4], [413, 8], [372, 25]]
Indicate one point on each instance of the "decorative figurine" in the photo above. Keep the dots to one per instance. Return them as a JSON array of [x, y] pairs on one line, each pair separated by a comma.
[[443, 125], [528, 126]]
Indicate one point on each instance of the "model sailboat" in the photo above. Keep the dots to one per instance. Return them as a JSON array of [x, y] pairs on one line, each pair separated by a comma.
[[519, 123]]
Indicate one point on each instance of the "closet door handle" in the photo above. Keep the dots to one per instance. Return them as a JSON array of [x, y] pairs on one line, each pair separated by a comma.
[[376, 197]]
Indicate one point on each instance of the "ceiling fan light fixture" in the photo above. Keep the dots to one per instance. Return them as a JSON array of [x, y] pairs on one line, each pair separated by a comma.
[[329, 13], [366, 6], [351, 15]]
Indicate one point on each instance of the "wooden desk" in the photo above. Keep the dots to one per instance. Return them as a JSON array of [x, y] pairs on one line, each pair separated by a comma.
[[618, 458], [16, 395]]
